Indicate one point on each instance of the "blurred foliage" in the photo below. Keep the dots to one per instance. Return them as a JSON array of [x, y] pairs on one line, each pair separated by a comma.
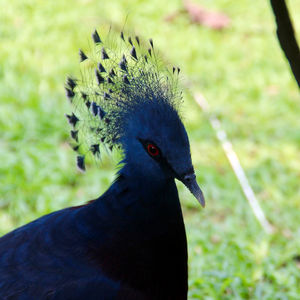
[[243, 74]]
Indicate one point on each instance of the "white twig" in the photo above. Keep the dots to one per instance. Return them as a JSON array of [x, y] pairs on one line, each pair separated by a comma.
[[235, 164]]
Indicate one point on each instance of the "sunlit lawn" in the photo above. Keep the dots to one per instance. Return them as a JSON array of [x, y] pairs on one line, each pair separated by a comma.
[[247, 82]]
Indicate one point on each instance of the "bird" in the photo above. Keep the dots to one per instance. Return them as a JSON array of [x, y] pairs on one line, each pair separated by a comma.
[[129, 243]]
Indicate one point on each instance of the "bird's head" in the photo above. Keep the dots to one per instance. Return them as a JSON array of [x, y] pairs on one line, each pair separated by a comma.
[[130, 103], [157, 146]]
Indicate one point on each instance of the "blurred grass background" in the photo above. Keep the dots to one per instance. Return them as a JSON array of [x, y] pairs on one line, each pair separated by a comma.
[[244, 76]]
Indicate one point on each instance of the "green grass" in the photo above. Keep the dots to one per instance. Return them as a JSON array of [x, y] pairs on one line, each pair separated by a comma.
[[248, 84]]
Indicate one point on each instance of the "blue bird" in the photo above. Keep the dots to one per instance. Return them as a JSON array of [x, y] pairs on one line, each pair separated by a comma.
[[130, 243]]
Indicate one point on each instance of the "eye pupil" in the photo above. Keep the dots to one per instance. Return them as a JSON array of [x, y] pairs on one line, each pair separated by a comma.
[[152, 150]]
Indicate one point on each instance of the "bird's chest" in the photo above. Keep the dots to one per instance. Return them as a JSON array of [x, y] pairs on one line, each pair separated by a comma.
[[152, 258], [144, 244]]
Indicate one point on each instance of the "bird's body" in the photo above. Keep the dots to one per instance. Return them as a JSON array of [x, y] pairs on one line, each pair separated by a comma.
[[64, 251], [130, 243]]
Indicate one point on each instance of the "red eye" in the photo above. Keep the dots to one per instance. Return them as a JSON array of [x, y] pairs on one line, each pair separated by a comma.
[[152, 150]]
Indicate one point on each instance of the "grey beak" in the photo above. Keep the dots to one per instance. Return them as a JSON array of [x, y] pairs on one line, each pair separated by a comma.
[[190, 182]]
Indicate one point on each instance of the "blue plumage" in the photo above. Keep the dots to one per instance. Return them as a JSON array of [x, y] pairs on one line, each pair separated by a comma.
[[130, 243]]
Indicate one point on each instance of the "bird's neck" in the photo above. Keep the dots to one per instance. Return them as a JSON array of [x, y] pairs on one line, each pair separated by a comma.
[[140, 201], [143, 235]]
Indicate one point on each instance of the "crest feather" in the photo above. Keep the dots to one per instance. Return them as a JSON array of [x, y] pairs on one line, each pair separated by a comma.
[[116, 77]]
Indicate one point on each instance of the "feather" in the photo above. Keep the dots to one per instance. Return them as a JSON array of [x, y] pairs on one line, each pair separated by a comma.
[[72, 119], [82, 56], [81, 162], [133, 53], [74, 135], [104, 54], [96, 37], [99, 78], [101, 68]]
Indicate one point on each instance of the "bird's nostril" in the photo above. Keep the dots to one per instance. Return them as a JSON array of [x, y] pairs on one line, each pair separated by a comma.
[[189, 177]]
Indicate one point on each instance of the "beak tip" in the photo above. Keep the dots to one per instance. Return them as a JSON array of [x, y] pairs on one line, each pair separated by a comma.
[[202, 201], [190, 182]]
